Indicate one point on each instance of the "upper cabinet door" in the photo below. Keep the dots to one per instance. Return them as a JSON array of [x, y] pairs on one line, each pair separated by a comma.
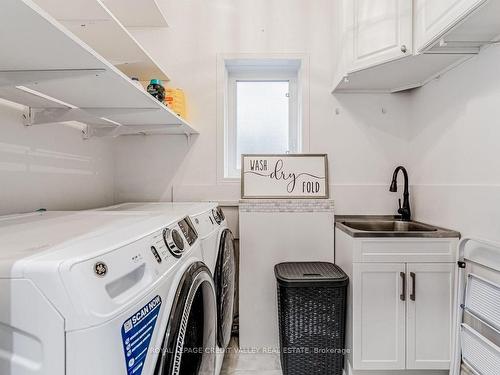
[[430, 315], [382, 31], [379, 297], [343, 37], [435, 18]]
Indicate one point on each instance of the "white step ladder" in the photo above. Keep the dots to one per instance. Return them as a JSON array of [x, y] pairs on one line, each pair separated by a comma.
[[477, 349]]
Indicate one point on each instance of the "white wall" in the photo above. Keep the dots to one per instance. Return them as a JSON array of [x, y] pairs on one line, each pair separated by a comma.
[[455, 148], [363, 144], [51, 167], [446, 132]]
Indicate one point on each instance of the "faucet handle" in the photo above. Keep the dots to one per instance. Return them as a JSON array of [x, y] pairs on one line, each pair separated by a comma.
[[399, 201]]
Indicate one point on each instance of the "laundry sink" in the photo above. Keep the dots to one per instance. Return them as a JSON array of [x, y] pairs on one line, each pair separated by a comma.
[[376, 226], [389, 226]]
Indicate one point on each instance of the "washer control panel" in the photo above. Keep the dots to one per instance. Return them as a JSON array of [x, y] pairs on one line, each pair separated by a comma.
[[174, 241], [155, 254], [188, 230], [126, 270], [218, 215], [159, 250], [179, 236]]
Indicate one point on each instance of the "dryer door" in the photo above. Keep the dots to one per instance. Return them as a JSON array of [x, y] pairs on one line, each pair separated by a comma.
[[225, 279], [189, 344]]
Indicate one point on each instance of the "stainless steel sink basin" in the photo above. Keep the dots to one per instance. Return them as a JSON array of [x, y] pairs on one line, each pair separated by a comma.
[[387, 226]]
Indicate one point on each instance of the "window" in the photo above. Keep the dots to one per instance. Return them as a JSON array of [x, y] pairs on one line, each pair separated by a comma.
[[262, 111]]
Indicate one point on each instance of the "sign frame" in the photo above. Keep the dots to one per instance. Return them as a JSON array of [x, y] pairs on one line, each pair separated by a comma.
[[327, 187]]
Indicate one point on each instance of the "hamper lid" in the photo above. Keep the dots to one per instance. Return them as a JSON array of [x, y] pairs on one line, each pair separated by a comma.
[[310, 274]]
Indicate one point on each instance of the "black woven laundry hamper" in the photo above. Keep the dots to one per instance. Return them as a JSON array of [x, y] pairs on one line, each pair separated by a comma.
[[311, 313]]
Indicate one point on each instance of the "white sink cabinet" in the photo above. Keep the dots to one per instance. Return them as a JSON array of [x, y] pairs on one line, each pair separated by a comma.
[[401, 303]]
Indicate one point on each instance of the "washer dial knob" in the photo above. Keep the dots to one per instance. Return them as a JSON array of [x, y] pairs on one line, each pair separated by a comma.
[[155, 254], [174, 242]]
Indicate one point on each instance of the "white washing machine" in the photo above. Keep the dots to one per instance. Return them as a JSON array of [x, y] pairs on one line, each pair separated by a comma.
[[104, 293], [180, 209], [218, 254]]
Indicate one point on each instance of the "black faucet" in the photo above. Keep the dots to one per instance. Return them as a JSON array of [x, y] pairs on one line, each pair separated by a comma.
[[405, 210]]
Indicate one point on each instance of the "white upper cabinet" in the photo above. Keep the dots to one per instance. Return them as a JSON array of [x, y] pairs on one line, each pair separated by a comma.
[[344, 37], [396, 45], [382, 31], [433, 19]]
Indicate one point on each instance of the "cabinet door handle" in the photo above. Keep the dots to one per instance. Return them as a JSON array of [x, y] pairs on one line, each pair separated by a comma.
[[413, 281], [403, 286]]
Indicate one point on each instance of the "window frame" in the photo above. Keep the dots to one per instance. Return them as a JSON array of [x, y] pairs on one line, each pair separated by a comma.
[[229, 62], [259, 74]]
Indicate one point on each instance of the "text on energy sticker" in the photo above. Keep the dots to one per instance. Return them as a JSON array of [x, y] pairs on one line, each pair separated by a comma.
[[137, 332]]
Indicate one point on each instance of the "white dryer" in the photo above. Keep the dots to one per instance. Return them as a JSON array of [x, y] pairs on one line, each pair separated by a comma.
[[219, 255], [217, 243], [104, 293]]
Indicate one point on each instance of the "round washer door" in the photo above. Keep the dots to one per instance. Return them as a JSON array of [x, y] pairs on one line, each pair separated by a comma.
[[189, 344], [225, 279]]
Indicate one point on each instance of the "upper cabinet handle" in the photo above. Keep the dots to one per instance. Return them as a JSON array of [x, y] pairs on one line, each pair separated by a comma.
[[404, 49], [403, 286], [413, 281]]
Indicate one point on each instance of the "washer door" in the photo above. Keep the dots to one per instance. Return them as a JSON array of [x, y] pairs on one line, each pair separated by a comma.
[[189, 344], [225, 279]]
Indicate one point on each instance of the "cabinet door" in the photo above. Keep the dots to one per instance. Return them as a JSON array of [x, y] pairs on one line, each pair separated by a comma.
[[378, 316], [382, 31], [430, 315], [343, 38], [434, 18]]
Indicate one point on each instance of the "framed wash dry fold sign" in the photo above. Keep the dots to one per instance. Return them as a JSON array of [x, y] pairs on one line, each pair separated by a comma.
[[298, 176]]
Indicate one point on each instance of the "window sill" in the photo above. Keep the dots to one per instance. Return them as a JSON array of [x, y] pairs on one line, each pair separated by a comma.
[[229, 180]]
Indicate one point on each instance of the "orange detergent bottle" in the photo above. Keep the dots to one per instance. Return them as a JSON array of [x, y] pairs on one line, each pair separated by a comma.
[[176, 101]]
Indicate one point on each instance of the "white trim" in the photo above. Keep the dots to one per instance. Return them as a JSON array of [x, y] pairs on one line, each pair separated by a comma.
[[254, 75], [230, 135], [265, 61]]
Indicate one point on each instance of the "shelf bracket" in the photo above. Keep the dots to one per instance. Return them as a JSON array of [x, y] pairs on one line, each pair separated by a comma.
[[127, 130], [190, 137], [101, 132], [37, 116], [94, 116], [44, 116], [12, 78], [101, 112], [86, 132]]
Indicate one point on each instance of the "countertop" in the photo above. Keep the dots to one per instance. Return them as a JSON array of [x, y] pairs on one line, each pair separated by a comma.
[[434, 231]]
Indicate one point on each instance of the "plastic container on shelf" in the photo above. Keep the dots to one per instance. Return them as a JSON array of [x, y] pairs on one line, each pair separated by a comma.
[[156, 89], [176, 101]]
